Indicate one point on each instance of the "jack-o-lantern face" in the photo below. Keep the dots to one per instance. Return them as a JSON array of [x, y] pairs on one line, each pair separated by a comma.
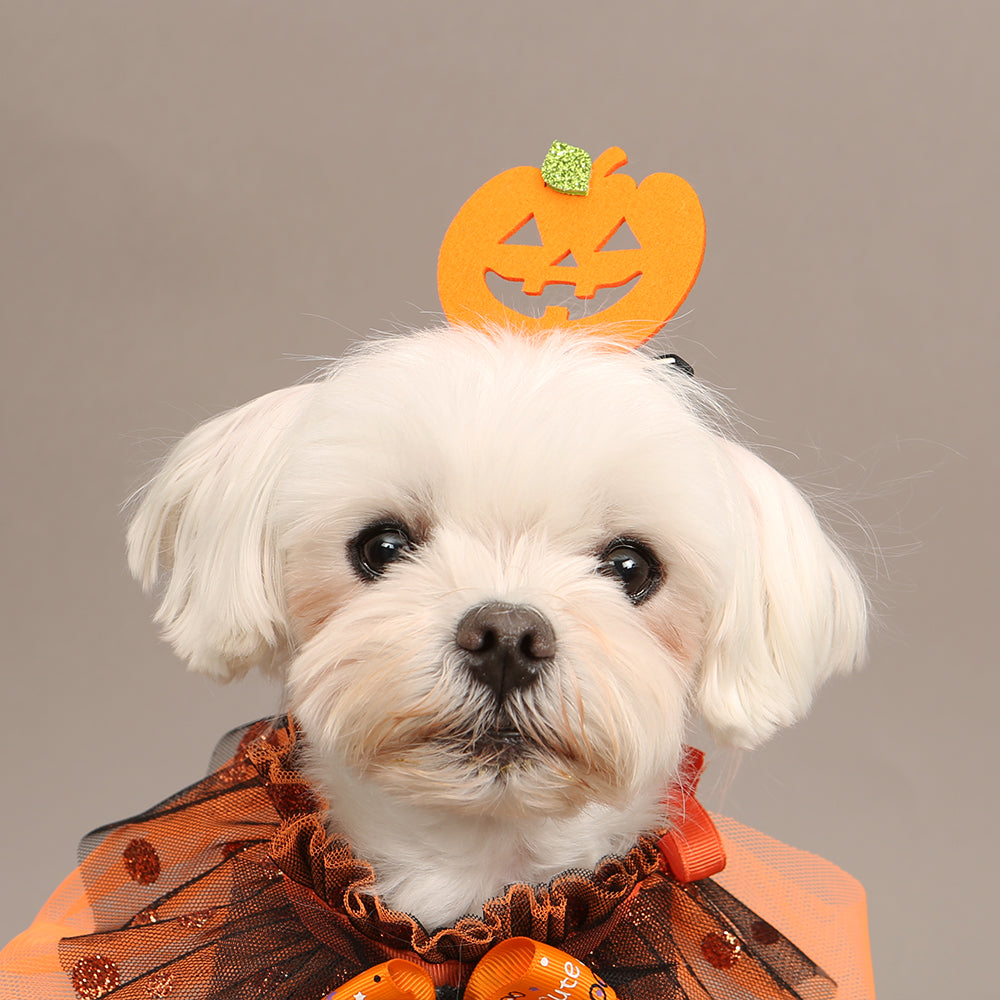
[[662, 212]]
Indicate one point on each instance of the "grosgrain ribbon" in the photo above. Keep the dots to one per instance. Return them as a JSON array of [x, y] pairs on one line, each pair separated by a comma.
[[515, 969], [692, 847]]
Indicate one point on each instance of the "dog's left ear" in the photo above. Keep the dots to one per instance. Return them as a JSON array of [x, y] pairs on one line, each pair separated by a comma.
[[206, 520], [794, 615]]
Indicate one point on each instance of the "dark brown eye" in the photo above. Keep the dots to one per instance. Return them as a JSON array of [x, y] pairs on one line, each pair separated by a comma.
[[634, 566], [373, 549]]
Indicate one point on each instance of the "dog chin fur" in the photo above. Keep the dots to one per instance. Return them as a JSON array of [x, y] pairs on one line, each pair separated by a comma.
[[512, 462]]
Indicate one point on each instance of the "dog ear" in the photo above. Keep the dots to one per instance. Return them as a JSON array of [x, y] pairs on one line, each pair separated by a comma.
[[795, 613], [205, 520]]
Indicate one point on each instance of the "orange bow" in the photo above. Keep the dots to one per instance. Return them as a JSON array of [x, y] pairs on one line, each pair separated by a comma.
[[516, 969]]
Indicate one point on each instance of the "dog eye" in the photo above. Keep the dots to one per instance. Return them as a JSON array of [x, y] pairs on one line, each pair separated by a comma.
[[634, 566], [377, 546]]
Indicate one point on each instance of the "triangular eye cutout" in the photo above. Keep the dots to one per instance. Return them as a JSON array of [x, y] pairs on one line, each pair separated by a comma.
[[526, 234], [622, 238]]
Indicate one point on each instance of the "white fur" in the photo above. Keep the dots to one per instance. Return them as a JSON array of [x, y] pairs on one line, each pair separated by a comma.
[[515, 460]]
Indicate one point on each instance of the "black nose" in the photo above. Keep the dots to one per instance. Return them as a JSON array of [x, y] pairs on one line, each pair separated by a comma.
[[506, 645]]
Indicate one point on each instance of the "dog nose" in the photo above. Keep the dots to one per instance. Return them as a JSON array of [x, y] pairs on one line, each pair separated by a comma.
[[506, 645]]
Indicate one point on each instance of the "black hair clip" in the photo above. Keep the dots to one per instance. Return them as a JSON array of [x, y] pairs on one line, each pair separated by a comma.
[[678, 362]]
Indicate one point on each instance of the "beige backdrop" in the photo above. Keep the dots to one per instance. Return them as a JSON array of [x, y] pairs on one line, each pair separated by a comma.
[[194, 193]]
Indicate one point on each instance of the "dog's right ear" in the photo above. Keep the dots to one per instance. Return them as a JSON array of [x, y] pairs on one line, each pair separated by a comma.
[[205, 519], [795, 614]]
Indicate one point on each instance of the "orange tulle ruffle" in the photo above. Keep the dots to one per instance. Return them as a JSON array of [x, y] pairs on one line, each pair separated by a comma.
[[232, 890]]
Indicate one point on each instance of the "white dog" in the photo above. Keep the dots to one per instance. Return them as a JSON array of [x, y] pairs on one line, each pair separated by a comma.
[[496, 573]]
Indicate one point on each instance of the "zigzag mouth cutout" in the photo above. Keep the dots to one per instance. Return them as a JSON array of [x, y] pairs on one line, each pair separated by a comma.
[[555, 296]]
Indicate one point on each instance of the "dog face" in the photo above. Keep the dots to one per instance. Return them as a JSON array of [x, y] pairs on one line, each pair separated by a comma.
[[496, 572], [503, 602]]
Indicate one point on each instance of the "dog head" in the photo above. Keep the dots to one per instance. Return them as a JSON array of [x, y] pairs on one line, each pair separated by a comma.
[[496, 572]]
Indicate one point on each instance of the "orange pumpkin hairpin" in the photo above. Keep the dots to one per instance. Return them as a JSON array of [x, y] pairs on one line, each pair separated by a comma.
[[577, 207]]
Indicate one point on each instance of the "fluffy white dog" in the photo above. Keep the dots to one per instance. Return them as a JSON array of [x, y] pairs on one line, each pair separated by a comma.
[[495, 572]]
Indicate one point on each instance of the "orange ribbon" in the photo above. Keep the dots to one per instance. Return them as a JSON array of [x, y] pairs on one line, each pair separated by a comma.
[[515, 969], [692, 847]]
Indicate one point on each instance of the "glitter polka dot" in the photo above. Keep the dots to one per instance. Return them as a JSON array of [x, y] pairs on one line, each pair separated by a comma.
[[141, 861], [721, 951], [274, 978], [268, 870], [94, 977], [160, 985], [197, 918], [291, 800], [236, 772], [266, 982]]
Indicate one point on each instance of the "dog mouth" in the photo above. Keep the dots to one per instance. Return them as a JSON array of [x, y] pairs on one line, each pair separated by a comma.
[[500, 745]]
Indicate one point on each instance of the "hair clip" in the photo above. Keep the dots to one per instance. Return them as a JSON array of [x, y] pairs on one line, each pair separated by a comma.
[[676, 361]]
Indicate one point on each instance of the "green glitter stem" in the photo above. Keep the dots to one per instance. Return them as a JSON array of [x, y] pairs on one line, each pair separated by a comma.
[[567, 168]]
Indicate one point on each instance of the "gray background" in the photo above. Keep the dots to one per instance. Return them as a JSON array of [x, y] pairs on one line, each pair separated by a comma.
[[194, 191]]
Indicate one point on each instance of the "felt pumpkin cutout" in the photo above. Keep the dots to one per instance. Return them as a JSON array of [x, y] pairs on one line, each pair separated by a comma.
[[662, 212]]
